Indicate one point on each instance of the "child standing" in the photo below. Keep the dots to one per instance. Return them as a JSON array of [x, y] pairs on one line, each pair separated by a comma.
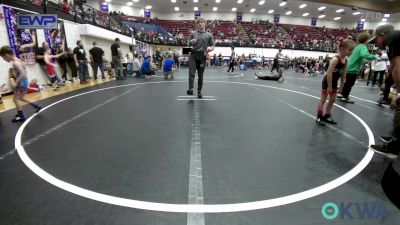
[[336, 70], [19, 84], [168, 65], [356, 61], [48, 58]]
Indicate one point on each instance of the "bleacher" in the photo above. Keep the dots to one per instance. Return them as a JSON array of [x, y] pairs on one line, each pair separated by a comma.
[[318, 33], [260, 29], [226, 27], [184, 26]]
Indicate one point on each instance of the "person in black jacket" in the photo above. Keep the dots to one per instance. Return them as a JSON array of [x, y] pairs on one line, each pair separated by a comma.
[[96, 60], [71, 64], [385, 37], [62, 61], [276, 62]]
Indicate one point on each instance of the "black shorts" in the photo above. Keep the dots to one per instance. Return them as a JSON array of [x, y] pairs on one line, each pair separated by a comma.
[[325, 84]]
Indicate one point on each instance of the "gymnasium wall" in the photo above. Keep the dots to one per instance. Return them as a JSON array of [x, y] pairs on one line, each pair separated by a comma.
[[104, 38]]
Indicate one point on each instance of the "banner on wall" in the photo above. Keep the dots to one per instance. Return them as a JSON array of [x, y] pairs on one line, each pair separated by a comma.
[[360, 26], [55, 38], [37, 21], [147, 13], [104, 6], [22, 41], [276, 18], [197, 14], [313, 22], [239, 16]]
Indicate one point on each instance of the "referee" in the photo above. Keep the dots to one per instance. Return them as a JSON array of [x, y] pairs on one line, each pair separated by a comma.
[[202, 42]]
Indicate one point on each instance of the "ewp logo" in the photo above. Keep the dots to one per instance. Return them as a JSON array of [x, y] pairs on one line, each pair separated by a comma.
[[355, 210], [37, 21]]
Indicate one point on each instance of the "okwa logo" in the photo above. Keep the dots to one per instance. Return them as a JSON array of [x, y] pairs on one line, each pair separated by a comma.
[[355, 210]]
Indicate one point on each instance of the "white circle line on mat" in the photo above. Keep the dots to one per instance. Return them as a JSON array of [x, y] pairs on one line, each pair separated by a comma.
[[187, 208]]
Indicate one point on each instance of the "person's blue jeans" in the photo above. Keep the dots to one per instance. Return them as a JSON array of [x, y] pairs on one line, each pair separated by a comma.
[[95, 67], [83, 68]]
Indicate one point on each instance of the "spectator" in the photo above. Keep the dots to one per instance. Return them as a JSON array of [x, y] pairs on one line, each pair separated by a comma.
[[145, 70], [62, 61], [96, 60], [116, 59], [176, 60], [136, 66], [65, 7], [168, 67], [81, 61], [71, 64]]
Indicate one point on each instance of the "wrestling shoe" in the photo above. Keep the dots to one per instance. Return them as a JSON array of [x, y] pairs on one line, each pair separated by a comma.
[[328, 118], [347, 100], [320, 121], [18, 118]]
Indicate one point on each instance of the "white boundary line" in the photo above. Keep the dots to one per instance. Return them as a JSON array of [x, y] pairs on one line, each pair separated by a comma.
[[366, 100], [196, 99], [212, 77], [358, 104], [194, 96], [227, 76], [344, 133], [195, 195], [299, 78], [187, 208]]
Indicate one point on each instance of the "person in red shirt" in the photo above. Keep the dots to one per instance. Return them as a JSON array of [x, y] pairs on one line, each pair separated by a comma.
[[65, 7], [33, 87], [48, 58]]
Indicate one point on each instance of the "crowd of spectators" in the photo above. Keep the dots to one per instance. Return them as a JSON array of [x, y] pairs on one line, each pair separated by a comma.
[[296, 37], [226, 33], [269, 35]]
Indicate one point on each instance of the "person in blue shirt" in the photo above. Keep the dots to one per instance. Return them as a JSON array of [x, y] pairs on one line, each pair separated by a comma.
[[168, 66], [146, 67]]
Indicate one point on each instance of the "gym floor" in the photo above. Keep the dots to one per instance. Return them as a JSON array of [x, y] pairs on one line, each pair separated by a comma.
[[246, 141]]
